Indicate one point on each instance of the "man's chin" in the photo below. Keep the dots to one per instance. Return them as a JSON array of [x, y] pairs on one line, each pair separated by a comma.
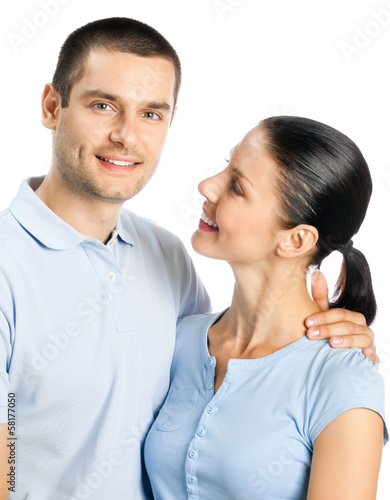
[[108, 190], [118, 196]]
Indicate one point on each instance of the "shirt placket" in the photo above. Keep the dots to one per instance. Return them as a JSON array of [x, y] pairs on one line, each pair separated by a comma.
[[207, 417], [113, 282]]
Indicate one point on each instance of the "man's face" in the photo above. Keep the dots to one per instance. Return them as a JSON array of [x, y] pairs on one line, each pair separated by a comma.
[[108, 141]]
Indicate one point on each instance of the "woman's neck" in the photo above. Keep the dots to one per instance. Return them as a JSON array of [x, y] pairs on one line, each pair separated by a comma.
[[267, 311]]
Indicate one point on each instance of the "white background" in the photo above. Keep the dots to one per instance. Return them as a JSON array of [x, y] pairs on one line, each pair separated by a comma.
[[243, 60]]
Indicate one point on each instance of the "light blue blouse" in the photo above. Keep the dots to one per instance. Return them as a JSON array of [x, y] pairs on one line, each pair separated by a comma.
[[254, 438]]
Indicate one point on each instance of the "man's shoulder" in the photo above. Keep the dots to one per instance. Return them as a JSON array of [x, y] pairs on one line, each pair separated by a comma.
[[8, 227], [197, 321], [4, 214], [146, 228]]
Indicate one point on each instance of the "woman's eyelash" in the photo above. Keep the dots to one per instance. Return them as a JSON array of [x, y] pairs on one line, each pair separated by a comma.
[[234, 187]]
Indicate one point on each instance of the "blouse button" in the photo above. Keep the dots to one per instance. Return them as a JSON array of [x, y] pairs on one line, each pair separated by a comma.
[[191, 479], [209, 385], [192, 454], [211, 409], [201, 432]]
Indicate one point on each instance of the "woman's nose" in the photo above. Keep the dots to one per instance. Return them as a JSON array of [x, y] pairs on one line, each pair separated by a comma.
[[209, 188]]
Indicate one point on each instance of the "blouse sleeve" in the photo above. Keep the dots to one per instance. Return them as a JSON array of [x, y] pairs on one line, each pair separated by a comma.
[[347, 380]]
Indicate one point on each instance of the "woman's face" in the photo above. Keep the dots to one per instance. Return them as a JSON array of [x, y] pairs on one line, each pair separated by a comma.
[[239, 215]]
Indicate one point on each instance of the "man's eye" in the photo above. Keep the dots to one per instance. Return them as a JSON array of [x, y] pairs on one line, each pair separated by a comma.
[[103, 106], [234, 187], [151, 114]]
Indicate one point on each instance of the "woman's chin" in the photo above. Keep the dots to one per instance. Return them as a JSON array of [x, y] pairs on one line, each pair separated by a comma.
[[201, 246]]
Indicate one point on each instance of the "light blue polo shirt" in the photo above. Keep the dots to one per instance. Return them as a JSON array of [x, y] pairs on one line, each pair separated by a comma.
[[254, 438], [87, 334]]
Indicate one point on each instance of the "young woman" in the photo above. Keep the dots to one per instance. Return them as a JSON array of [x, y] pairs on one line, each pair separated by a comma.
[[256, 410]]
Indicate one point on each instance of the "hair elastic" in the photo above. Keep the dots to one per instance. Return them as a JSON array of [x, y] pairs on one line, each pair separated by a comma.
[[345, 249]]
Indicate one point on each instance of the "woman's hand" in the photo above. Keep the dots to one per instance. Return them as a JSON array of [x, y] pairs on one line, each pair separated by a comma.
[[344, 328]]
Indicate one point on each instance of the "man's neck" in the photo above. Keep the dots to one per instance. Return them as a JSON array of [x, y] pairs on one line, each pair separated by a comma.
[[93, 218]]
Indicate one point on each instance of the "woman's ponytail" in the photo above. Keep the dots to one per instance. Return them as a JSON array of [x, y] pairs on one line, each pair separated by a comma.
[[324, 181], [354, 286]]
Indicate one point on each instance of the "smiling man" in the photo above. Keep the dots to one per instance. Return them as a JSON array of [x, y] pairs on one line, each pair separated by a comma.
[[108, 139], [90, 292]]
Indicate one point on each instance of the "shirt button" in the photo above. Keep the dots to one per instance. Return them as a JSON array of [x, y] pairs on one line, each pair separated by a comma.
[[191, 479], [211, 361], [201, 432], [111, 276], [211, 409], [192, 454], [209, 385]]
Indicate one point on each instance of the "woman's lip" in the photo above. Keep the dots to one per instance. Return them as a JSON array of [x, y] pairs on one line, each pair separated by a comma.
[[208, 216], [205, 227]]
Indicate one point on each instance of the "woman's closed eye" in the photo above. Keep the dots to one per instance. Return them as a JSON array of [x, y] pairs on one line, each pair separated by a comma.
[[234, 187]]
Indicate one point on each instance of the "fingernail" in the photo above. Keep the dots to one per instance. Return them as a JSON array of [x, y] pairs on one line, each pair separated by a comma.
[[311, 322], [314, 333], [337, 340], [315, 276]]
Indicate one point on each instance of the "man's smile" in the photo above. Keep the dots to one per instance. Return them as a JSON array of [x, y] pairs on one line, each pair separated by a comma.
[[116, 165], [118, 162]]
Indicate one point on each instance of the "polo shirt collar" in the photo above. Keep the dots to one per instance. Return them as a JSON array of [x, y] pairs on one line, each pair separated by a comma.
[[125, 228], [49, 229]]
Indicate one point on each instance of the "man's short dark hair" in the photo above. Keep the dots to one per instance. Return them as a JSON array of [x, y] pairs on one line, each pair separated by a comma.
[[116, 34]]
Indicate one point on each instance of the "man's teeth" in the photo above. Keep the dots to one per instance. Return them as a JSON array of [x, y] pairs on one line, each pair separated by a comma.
[[208, 221], [117, 162]]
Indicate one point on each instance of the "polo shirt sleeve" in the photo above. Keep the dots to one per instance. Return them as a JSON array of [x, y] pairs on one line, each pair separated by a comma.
[[5, 355], [194, 297], [345, 380]]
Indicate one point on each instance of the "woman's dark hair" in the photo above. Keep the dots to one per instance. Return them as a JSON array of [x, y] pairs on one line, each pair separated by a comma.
[[324, 181], [115, 34]]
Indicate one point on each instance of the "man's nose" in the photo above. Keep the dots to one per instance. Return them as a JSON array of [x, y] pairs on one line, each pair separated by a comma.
[[126, 131]]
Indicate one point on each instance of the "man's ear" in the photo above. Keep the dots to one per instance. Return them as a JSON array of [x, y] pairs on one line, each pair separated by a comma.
[[51, 106], [173, 115], [297, 241]]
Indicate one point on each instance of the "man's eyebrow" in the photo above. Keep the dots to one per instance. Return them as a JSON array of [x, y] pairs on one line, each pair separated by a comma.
[[101, 94], [238, 172], [163, 106]]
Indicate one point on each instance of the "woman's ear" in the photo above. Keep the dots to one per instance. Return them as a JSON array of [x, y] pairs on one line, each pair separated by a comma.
[[297, 241], [51, 105]]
